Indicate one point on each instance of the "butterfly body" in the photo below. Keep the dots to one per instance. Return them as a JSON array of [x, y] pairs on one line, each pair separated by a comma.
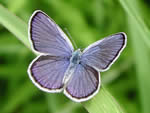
[[74, 61], [59, 68]]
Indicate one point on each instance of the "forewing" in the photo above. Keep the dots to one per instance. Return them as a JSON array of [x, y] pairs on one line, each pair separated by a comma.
[[103, 53], [47, 37], [47, 72], [84, 84]]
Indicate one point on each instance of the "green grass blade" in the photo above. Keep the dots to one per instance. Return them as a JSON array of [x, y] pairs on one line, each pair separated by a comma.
[[15, 25], [140, 35], [103, 102], [142, 59], [133, 12]]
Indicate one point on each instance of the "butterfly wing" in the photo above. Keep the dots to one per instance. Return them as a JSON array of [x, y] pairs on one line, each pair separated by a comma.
[[103, 53], [47, 37], [84, 84], [47, 72]]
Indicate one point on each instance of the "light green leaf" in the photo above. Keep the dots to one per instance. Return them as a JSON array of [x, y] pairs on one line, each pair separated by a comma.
[[103, 102], [141, 53]]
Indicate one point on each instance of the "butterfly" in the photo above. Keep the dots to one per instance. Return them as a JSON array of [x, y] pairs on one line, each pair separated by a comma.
[[60, 68]]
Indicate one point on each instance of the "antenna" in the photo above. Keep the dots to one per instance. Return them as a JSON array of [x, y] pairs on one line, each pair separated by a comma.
[[70, 38], [82, 49]]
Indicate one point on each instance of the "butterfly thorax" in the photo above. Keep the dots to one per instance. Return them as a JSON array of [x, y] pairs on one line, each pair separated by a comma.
[[74, 61]]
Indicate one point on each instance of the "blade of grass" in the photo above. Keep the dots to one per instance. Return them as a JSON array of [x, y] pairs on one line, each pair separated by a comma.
[[141, 44], [102, 102], [141, 53], [15, 25], [70, 107], [133, 12]]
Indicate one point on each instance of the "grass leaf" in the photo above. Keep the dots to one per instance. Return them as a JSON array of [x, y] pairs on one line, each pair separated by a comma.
[[140, 37], [103, 102], [141, 53], [15, 25]]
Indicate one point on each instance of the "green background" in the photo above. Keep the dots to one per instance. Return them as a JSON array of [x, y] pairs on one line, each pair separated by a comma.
[[128, 80]]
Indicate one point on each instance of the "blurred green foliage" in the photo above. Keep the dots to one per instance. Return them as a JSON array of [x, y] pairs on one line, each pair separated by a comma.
[[87, 21]]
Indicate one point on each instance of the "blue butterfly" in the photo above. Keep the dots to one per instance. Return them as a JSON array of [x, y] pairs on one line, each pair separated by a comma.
[[59, 68]]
